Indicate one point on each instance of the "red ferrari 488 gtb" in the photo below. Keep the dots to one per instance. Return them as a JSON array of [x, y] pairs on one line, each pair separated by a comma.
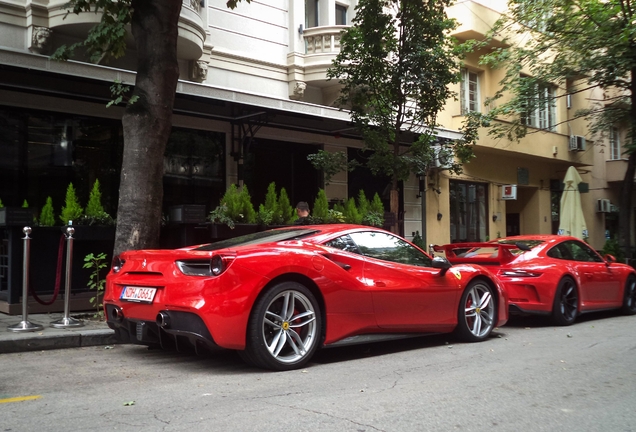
[[277, 296], [553, 275]]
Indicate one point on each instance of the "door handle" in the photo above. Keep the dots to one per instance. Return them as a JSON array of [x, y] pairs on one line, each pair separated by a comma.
[[343, 265], [380, 284], [338, 263]]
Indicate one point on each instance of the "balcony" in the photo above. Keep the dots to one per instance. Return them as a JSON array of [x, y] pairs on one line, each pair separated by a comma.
[[74, 27], [615, 170], [191, 30], [475, 20], [322, 45]]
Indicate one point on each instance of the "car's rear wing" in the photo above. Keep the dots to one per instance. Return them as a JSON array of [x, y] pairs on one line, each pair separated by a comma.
[[474, 253]]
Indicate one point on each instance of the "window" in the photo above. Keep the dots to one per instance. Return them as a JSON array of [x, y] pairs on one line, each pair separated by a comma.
[[42, 152], [341, 15], [468, 211], [344, 243], [542, 108], [469, 91], [388, 247], [574, 251], [615, 144], [311, 13], [534, 15]]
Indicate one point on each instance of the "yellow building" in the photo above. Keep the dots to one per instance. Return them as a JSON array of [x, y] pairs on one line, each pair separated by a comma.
[[481, 203]]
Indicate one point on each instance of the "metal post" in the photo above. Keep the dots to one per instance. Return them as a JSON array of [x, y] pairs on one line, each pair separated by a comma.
[[67, 321], [25, 325]]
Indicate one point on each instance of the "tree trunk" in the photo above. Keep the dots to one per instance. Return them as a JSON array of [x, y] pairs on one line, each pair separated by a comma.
[[625, 207], [147, 124], [395, 210]]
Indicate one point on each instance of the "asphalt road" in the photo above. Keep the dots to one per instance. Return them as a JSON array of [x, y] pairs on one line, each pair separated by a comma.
[[529, 376]]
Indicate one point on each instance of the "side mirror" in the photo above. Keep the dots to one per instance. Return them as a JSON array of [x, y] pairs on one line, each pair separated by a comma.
[[441, 263], [609, 259]]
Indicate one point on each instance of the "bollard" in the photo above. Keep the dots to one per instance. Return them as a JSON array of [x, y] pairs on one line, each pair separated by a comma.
[[25, 325], [68, 321], [431, 249]]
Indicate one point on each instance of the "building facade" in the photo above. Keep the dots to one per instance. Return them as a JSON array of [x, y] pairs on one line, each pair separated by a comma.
[[253, 101], [515, 187]]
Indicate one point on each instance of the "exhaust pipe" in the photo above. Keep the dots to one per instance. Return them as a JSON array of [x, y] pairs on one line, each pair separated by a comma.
[[163, 320], [117, 314]]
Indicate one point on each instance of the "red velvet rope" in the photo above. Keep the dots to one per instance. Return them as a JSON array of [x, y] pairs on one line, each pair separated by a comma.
[[58, 277]]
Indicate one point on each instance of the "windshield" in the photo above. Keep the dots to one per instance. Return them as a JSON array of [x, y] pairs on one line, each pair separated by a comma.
[[259, 238]]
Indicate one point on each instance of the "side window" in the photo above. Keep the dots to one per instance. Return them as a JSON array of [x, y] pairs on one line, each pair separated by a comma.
[[344, 243], [388, 247], [582, 252], [555, 252]]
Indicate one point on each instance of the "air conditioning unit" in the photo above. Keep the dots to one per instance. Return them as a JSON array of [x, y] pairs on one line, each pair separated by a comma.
[[577, 143], [443, 157], [603, 206], [613, 208]]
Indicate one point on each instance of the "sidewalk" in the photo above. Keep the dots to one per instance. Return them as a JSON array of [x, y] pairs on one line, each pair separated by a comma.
[[92, 333]]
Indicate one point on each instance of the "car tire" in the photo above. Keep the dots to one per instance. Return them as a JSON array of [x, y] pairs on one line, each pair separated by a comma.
[[284, 330], [565, 308], [629, 296], [477, 312]]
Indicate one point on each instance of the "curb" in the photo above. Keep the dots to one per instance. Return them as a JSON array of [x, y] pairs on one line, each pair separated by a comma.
[[71, 340]]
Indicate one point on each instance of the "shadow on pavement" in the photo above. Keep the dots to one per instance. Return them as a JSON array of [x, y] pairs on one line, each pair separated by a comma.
[[538, 321]]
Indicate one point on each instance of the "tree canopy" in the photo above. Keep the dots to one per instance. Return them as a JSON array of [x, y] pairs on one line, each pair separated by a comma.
[[395, 65], [579, 45]]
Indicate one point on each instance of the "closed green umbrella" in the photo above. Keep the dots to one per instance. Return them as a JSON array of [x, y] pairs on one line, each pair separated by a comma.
[[571, 220]]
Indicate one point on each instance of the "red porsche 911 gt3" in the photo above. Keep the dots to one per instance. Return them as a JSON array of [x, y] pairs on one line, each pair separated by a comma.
[[279, 295], [553, 275]]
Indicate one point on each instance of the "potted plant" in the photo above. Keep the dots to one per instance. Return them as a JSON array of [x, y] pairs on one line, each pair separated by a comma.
[[16, 216], [277, 209], [93, 223], [234, 216], [72, 210], [47, 215]]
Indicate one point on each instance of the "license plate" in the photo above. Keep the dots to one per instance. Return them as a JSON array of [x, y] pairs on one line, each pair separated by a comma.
[[138, 294]]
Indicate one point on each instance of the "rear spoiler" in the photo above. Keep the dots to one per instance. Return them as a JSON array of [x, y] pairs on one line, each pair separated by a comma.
[[503, 255]]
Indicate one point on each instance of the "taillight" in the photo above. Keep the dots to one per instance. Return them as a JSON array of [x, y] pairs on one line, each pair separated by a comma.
[[212, 267], [217, 266], [117, 264], [518, 273]]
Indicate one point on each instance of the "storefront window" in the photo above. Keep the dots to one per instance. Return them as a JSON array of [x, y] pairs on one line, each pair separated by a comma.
[[194, 168], [41, 153], [468, 211]]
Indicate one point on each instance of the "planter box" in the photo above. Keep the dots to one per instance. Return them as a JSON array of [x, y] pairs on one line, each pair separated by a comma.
[[185, 214], [16, 216]]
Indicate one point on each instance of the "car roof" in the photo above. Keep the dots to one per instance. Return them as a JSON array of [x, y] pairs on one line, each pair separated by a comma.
[[313, 234]]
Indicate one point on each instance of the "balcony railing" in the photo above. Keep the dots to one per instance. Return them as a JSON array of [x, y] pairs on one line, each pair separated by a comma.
[[323, 40], [195, 5]]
